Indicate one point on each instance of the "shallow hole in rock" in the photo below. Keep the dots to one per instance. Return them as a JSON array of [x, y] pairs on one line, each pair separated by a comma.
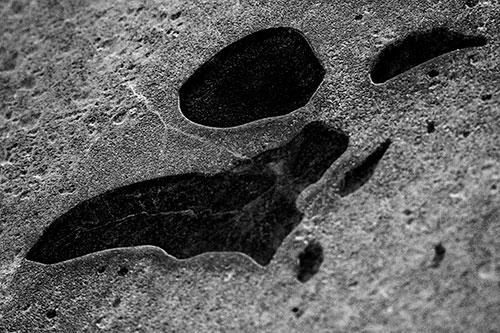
[[101, 269], [249, 208], [297, 311], [417, 48], [471, 3], [361, 173], [439, 253], [123, 271], [120, 117], [353, 284], [268, 73], [116, 302], [486, 97], [358, 17], [431, 127], [432, 73], [51, 314], [175, 16], [310, 260]]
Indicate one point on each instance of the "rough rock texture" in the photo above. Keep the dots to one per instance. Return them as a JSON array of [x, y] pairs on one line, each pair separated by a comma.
[[89, 102]]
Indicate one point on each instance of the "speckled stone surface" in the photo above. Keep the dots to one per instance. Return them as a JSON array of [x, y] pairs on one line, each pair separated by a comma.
[[89, 102]]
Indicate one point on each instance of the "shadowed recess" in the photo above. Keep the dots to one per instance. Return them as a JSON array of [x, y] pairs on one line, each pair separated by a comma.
[[417, 48], [361, 173], [249, 208], [439, 253], [310, 259], [268, 73]]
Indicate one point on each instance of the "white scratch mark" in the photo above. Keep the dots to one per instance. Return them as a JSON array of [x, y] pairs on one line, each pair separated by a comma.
[[166, 125]]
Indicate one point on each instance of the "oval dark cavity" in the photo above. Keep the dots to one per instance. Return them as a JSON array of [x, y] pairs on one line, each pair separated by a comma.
[[51, 313], [417, 48], [249, 208], [268, 73]]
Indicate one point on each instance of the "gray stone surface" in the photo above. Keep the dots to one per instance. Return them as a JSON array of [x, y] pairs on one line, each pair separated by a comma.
[[88, 102]]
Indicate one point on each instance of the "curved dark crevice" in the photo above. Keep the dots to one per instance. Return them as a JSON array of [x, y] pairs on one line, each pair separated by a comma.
[[439, 253], [249, 208], [417, 48], [361, 173], [268, 73]]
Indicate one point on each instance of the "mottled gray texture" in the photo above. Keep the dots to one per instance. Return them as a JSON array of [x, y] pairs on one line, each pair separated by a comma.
[[88, 100]]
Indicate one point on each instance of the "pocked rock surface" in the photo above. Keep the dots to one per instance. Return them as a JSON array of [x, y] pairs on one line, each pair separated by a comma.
[[400, 233]]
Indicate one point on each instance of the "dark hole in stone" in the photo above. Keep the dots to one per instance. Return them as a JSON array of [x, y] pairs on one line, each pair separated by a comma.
[[360, 174], [432, 73], [417, 48], [175, 16], [310, 259], [439, 252], [471, 3], [249, 208], [465, 134], [116, 302], [486, 97], [268, 73], [101, 269], [297, 312], [123, 271], [431, 127], [353, 284], [51, 313], [358, 17]]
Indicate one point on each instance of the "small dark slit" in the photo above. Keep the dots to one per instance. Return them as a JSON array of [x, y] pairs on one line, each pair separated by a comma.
[[360, 174], [439, 251]]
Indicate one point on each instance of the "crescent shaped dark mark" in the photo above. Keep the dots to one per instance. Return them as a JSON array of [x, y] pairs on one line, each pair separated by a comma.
[[357, 176], [419, 47]]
